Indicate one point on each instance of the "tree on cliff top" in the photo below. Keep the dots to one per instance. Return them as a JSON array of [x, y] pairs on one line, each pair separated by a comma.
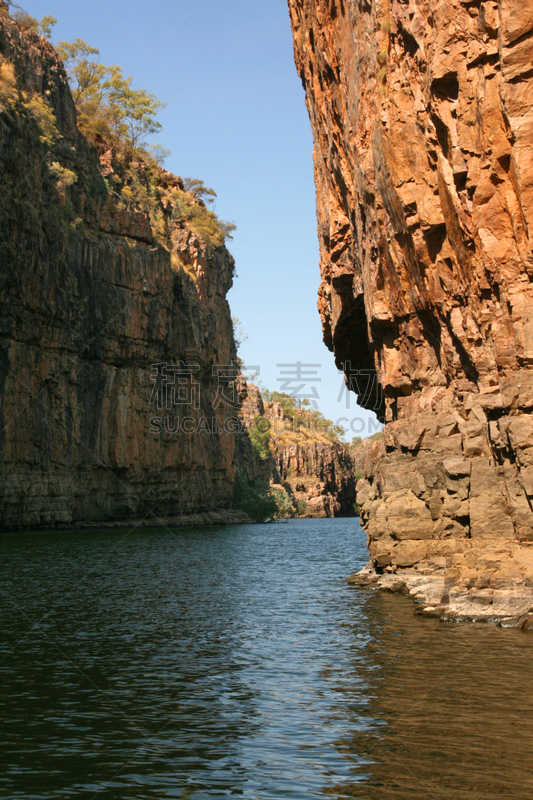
[[42, 27], [104, 97], [303, 416], [110, 110]]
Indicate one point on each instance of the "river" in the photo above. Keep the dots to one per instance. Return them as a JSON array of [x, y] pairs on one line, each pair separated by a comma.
[[236, 662]]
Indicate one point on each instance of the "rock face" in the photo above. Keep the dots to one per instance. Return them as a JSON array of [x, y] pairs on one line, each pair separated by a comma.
[[89, 302], [423, 124], [317, 472]]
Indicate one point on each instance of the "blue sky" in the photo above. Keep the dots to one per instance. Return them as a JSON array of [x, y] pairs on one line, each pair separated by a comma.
[[236, 118]]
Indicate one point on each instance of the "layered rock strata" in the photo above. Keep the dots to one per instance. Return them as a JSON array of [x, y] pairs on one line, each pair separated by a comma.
[[316, 471], [90, 301], [423, 126]]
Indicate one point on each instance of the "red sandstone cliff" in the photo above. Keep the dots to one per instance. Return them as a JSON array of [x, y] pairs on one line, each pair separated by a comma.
[[93, 291], [316, 470], [423, 125]]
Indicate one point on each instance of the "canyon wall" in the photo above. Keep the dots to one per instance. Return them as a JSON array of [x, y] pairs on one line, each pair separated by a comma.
[[90, 301], [316, 470], [423, 147]]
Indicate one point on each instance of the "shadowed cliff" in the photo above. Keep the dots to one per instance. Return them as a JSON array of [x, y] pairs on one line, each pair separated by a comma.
[[96, 289]]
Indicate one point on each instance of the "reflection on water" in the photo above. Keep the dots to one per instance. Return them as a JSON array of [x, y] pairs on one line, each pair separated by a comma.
[[455, 707], [235, 661]]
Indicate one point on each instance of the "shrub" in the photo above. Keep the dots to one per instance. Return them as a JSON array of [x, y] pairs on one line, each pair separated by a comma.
[[255, 498], [284, 504], [43, 27], [104, 97], [8, 81], [260, 437], [202, 220], [239, 335], [301, 507], [45, 119], [197, 187], [64, 178], [159, 153]]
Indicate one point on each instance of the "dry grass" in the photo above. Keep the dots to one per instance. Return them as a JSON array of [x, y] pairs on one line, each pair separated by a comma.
[[8, 81]]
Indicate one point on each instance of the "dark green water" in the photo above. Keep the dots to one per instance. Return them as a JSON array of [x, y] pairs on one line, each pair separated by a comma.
[[214, 663]]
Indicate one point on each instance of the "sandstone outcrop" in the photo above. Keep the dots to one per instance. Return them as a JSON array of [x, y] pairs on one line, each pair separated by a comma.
[[316, 471], [422, 116], [90, 301]]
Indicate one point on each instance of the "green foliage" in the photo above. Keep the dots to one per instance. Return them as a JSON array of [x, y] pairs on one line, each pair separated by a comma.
[[114, 114], [104, 97], [64, 177], [226, 228], [159, 153], [238, 334], [260, 437], [357, 441], [197, 187], [301, 507], [287, 401], [46, 25], [326, 426], [134, 110], [359, 475], [302, 416], [42, 27], [284, 504], [202, 220], [260, 500], [45, 119], [255, 498]]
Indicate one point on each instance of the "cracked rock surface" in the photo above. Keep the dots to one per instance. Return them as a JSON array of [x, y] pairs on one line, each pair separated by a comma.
[[89, 301], [422, 115]]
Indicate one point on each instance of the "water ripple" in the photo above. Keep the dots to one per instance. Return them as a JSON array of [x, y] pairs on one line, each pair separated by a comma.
[[212, 663]]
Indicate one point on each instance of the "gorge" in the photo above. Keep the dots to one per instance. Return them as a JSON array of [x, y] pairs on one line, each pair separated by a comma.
[[121, 389], [157, 638], [114, 281]]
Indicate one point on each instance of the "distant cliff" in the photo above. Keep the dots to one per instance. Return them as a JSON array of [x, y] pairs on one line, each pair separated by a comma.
[[96, 290], [422, 116], [316, 470]]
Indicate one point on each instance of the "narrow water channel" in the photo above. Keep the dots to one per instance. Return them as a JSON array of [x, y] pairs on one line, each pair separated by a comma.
[[213, 663]]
